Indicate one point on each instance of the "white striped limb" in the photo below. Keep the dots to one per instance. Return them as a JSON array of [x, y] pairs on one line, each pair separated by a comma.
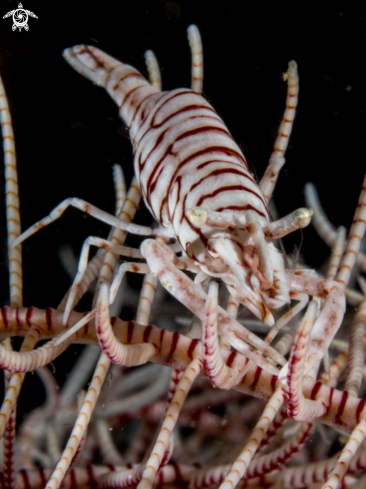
[[153, 69], [106, 264], [285, 318], [241, 291], [327, 322], [81, 406], [347, 454], [32, 360], [81, 423], [322, 225], [120, 188], [77, 477], [147, 295], [353, 244], [130, 477], [129, 355], [15, 271], [117, 236], [337, 252], [8, 445], [195, 43], [283, 346], [216, 369], [12, 202], [16, 380], [298, 219], [83, 263], [82, 370], [170, 419], [356, 355], [146, 299], [159, 259], [98, 214], [277, 159], [91, 274], [259, 466], [336, 368], [239, 467], [298, 407]]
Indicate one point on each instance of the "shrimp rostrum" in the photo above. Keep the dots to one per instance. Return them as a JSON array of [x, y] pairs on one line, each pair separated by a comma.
[[197, 184]]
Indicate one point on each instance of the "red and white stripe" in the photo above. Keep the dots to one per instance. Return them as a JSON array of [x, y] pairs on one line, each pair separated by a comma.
[[184, 156]]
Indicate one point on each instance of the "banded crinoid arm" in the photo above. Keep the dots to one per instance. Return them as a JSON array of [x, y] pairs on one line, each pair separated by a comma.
[[12, 202], [353, 243], [258, 467], [277, 160], [127, 355], [176, 350], [81, 424], [195, 44], [240, 466], [13, 381], [356, 355], [107, 263], [322, 224], [161, 445]]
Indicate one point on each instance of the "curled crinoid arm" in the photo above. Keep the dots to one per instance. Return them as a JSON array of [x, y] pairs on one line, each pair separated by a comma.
[[277, 159], [327, 322], [16, 379], [216, 369], [31, 360], [128, 355], [298, 406]]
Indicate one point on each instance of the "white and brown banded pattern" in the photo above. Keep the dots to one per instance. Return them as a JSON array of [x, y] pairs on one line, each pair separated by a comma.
[[184, 156]]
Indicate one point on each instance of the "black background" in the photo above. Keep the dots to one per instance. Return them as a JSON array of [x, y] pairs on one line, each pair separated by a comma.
[[68, 134]]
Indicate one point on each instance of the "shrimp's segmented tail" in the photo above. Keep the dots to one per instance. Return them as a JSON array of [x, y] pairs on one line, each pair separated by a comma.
[[124, 83]]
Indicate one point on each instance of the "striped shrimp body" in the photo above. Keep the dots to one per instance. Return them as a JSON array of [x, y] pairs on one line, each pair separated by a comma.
[[191, 171], [197, 184]]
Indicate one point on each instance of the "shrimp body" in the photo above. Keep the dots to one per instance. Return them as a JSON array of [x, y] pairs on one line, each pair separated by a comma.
[[195, 180]]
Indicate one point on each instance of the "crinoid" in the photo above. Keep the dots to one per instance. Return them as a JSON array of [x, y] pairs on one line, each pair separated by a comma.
[[188, 400]]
